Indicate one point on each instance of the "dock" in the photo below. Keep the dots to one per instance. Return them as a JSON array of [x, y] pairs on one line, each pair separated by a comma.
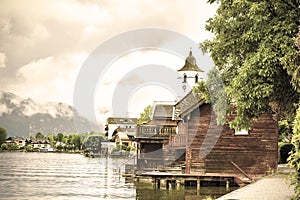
[[172, 181]]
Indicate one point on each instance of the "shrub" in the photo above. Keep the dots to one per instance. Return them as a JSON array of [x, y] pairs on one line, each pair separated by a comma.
[[4, 147]]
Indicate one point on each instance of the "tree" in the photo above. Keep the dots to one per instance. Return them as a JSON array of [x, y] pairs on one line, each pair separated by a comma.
[[39, 136], [213, 91], [93, 142], [51, 139], [3, 135], [251, 41], [294, 160], [145, 116], [60, 137], [253, 48], [76, 140]]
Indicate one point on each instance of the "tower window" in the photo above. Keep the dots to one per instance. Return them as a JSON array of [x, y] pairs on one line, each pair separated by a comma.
[[196, 78], [184, 78]]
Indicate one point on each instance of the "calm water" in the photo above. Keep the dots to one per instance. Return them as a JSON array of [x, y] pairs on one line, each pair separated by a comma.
[[73, 176]]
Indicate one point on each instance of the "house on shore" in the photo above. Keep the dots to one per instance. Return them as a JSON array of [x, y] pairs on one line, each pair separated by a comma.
[[19, 141], [120, 124], [188, 140], [41, 144], [195, 144], [153, 137]]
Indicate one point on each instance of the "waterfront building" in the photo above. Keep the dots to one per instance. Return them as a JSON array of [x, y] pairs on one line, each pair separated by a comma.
[[190, 73], [153, 137], [19, 141], [189, 141], [120, 124]]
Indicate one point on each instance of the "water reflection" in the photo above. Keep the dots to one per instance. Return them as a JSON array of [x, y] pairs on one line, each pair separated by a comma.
[[147, 192], [73, 176]]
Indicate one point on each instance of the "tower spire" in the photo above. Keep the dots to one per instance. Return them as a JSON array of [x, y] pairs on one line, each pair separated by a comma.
[[190, 71]]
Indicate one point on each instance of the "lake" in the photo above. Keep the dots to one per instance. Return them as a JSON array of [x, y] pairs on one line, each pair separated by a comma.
[[73, 176]]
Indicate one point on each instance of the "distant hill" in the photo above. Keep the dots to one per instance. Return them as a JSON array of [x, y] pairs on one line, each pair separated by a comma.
[[21, 117]]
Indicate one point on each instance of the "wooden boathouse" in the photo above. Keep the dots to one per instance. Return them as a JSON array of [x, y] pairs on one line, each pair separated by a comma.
[[186, 143]]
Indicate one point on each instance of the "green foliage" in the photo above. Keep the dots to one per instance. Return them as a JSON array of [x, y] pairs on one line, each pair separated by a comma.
[[145, 116], [291, 62], [51, 139], [251, 40], [285, 129], [130, 148], [39, 136], [76, 141], [202, 88], [29, 148], [3, 135], [59, 147], [213, 90], [4, 146], [293, 66], [59, 137], [294, 159], [119, 147], [14, 146], [93, 142]]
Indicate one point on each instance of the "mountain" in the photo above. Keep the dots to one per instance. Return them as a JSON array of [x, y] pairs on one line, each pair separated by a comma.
[[23, 117]]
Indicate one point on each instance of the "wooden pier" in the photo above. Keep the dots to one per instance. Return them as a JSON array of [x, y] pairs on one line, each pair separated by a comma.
[[173, 181]]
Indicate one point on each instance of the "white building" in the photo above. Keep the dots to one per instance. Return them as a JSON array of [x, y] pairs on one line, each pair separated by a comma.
[[127, 125], [190, 73]]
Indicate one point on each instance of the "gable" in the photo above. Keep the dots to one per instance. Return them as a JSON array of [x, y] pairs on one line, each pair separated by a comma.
[[162, 110], [187, 104]]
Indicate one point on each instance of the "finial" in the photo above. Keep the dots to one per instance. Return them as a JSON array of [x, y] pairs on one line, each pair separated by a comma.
[[190, 51]]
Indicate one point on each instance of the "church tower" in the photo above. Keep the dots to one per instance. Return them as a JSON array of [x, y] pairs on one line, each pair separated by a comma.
[[190, 72]]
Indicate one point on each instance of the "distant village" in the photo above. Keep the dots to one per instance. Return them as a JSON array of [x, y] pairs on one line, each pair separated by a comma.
[[181, 138]]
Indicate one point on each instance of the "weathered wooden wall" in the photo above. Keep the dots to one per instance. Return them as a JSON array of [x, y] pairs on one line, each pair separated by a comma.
[[214, 149]]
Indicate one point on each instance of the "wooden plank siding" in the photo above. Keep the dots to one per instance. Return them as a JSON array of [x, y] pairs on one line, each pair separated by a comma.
[[212, 148]]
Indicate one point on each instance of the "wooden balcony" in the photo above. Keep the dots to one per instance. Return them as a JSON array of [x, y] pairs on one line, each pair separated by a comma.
[[155, 131]]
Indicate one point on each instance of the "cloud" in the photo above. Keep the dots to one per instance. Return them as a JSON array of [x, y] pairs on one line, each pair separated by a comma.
[[44, 43], [2, 60], [49, 79]]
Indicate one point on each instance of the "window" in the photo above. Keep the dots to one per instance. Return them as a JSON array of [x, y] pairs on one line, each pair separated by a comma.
[[184, 78], [196, 78], [241, 132]]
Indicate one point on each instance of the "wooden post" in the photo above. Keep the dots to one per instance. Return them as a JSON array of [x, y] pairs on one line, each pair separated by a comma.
[[158, 183], [177, 184], [168, 184], [188, 161], [198, 184], [227, 185]]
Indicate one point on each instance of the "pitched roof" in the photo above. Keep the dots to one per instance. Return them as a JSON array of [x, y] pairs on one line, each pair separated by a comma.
[[187, 104], [162, 110], [120, 120]]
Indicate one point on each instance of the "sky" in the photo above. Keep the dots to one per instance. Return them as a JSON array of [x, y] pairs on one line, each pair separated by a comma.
[[45, 43]]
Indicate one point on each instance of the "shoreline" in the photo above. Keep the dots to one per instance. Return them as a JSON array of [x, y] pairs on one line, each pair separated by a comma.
[[18, 151]]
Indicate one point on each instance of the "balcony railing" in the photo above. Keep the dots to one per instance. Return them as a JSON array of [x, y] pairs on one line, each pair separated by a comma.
[[155, 131]]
